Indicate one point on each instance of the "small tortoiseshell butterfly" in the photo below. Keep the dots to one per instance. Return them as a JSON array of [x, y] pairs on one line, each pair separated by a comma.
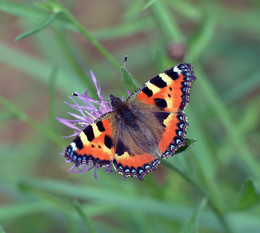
[[149, 125]]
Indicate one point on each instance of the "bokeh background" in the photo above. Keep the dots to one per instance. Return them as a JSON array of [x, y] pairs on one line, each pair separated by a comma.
[[212, 187]]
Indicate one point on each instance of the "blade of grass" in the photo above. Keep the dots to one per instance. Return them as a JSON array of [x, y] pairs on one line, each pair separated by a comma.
[[52, 101], [191, 226], [86, 80], [239, 20], [166, 22], [242, 88], [249, 197], [220, 110], [1, 229], [38, 69], [51, 199], [125, 29], [203, 159], [88, 36], [148, 4], [204, 193], [245, 127], [31, 122], [12, 211], [33, 14], [5, 116], [121, 200], [83, 216], [202, 37], [38, 27], [186, 9]]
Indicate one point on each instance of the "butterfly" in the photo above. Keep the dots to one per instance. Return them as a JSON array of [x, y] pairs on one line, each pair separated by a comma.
[[134, 136]]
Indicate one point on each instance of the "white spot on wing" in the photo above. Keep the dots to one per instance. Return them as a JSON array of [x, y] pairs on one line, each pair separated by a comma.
[[176, 69], [73, 145]]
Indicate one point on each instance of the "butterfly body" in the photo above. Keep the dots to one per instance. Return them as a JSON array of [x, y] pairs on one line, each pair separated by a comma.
[[149, 125]]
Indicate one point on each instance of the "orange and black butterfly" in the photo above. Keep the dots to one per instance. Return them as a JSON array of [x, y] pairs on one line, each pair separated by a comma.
[[150, 125]]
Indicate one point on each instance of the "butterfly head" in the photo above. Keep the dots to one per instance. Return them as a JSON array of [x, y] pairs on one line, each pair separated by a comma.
[[115, 101]]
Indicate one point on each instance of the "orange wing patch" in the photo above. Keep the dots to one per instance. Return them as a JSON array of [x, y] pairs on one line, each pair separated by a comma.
[[93, 145], [135, 165], [174, 134], [169, 91]]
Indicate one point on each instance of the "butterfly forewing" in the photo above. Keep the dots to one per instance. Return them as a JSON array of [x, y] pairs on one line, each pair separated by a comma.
[[94, 145], [168, 91]]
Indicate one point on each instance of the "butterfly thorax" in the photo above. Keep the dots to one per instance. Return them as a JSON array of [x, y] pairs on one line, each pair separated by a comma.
[[123, 111]]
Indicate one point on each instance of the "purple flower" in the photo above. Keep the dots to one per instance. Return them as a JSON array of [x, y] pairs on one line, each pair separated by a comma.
[[87, 111]]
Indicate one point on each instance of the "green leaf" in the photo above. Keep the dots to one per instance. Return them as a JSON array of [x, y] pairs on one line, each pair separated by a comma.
[[128, 80], [191, 225], [83, 216], [249, 196], [189, 143], [38, 27]]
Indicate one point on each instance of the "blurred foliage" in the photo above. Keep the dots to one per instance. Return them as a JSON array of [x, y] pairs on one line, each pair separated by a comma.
[[213, 187]]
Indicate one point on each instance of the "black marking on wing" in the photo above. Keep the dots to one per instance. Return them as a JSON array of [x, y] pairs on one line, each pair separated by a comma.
[[161, 103], [89, 132], [108, 142], [78, 142], [100, 126], [172, 74], [120, 148], [158, 81], [147, 91], [161, 116]]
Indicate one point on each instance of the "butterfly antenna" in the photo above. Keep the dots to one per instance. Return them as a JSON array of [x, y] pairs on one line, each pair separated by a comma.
[[122, 74], [97, 99]]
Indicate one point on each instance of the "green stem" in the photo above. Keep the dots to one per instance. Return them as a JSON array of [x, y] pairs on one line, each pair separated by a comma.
[[71, 59], [92, 40]]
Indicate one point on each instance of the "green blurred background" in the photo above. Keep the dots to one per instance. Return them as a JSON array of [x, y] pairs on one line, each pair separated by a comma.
[[213, 187]]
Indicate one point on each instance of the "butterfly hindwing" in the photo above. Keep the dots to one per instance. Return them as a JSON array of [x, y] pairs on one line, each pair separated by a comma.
[[134, 148], [135, 165], [173, 137], [94, 145]]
